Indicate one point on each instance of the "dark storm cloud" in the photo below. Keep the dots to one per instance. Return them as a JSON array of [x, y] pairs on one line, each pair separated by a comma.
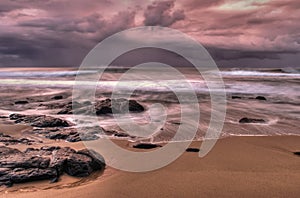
[[89, 24], [161, 13], [7, 6], [61, 32], [231, 54]]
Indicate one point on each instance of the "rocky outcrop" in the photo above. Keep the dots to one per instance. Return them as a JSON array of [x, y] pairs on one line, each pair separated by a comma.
[[251, 120], [103, 107], [109, 106], [46, 163], [39, 120], [73, 135]]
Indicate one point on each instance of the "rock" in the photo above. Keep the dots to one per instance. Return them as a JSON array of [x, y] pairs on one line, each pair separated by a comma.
[[84, 108], [21, 102], [260, 98], [71, 134], [135, 107], [145, 146], [236, 97], [47, 121], [32, 174], [78, 165], [21, 160], [119, 106], [192, 150], [98, 161], [251, 120], [64, 134], [9, 140], [59, 97], [39, 120], [102, 107], [46, 163], [297, 153]]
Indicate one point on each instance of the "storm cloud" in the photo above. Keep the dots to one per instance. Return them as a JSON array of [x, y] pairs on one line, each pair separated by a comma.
[[162, 14], [236, 33]]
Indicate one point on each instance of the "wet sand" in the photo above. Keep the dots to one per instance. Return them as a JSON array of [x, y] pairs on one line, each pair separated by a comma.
[[236, 167]]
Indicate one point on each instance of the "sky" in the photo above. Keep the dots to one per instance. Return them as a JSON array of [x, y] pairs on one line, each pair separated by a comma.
[[237, 33]]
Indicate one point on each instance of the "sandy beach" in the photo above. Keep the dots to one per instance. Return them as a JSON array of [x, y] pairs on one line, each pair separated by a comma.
[[236, 167]]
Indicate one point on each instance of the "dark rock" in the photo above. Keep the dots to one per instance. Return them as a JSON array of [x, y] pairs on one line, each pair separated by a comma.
[[46, 163], [98, 162], [3, 117], [81, 108], [39, 120], [260, 98], [47, 121], [78, 165], [135, 107], [61, 134], [4, 151], [145, 146], [21, 102], [9, 140], [192, 150], [109, 106], [57, 97], [297, 153], [71, 134], [251, 120], [21, 160], [102, 107], [236, 97], [32, 174]]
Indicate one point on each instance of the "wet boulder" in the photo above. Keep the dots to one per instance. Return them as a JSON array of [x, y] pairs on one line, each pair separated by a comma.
[[46, 163], [121, 105], [145, 146], [251, 120], [39, 120]]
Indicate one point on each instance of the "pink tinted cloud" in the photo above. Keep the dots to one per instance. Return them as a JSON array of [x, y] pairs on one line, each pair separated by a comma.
[[265, 28]]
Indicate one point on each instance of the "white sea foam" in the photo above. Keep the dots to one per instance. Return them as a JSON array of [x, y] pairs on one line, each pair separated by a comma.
[[45, 74], [258, 73]]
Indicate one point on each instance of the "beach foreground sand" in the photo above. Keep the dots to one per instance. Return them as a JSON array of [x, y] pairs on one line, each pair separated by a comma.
[[236, 167]]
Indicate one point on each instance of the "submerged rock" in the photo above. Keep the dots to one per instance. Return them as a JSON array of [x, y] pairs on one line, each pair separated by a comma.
[[251, 120], [21, 102], [46, 163], [236, 97], [260, 98], [59, 97], [39, 120]]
